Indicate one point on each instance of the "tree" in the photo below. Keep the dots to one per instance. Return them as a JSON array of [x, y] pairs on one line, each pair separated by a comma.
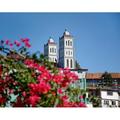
[[106, 80], [77, 65]]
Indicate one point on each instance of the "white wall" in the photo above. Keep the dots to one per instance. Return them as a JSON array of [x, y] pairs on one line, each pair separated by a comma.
[[80, 75], [50, 47], [51, 55], [68, 39], [69, 52], [105, 96], [109, 98], [69, 59]]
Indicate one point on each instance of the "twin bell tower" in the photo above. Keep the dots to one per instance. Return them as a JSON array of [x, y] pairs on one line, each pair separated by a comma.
[[62, 55]]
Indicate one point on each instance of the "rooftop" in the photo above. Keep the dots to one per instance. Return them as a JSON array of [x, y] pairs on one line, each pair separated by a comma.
[[66, 34], [99, 75], [50, 41]]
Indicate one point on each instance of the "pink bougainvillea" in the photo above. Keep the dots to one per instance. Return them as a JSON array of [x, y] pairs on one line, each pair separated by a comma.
[[32, 82]]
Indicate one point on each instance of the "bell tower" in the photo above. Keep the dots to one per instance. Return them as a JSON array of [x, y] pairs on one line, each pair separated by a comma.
[[50, 50], [66, 51]]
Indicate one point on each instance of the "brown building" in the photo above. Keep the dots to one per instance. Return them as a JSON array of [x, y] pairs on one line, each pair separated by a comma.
[[93, 80]]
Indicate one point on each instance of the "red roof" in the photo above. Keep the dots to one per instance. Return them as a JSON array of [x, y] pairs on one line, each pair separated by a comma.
[[99, 75]]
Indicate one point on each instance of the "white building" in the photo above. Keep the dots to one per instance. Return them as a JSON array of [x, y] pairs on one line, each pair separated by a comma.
[[109, 98], [50, 50], [66, 51]]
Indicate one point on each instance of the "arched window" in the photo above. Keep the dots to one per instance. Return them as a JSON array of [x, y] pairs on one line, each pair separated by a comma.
[[71, 43], [69, 52], [71, 63], [50, 50], [53, 50], [67, 63], [66, 43]]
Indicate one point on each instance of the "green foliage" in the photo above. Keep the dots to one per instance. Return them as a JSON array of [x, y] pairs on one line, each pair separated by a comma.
[[77, 65], [106, 80], [25, 83]]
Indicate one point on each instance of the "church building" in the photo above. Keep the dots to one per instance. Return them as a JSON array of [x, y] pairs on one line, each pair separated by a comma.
[[65, 58]]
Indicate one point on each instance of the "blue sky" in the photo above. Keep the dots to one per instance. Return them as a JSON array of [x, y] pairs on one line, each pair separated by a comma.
[[96, 35]]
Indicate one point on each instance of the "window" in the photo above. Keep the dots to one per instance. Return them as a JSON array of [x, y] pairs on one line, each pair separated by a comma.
[[71, 63], [106, 102], [113, 103], [66, 43], [67, 63], [66, 52], [50, 50], [71, 52], [71, 43], [53, 50], [109, 93]]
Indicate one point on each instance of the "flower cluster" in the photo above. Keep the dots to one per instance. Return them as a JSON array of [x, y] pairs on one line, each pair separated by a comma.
[[7, 42], [67, 103], [32, 83], [45, 79], [17, 43], [26, 42]]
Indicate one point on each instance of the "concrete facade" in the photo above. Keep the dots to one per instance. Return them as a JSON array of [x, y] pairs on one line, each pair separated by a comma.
[[109, 98]]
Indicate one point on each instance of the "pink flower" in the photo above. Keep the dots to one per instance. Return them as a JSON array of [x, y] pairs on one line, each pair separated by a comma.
[[42, 87], [29, 62], [33, 100], [58, 78], [24, 94], [60, 91], [64, 98], [81, 97], [11, 91], [41, 68], [17, 43], [7, 42], [26, 42], [11, 45], [81, 104], [27, 45], [65, 83]]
